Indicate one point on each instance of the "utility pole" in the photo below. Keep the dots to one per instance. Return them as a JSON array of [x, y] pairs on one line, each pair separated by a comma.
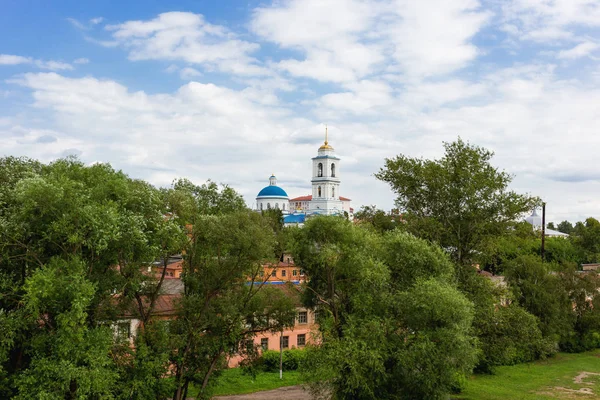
[[281, 355], [543, 231]]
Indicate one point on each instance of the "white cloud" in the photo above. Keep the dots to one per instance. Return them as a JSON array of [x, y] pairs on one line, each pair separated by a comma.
[[346, 40], [581, 50], [77, 24], [96, 21], [550, 21], [388, 76], [81, 61], [9, 59], [189, 73], [53, 65], [183, 36]]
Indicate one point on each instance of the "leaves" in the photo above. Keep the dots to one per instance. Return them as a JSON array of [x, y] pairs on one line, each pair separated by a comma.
[[458, 201]]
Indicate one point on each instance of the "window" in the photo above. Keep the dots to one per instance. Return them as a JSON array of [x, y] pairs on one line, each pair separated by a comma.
[[268, 206], [285, 342], [261, 204], [320, 170], [319, 190], [332, 192], [264, 343], [283, 207], [301, 339], [295, 272], [302, 317], [333, 170], [283, 272], [274, 273], [301, 272], [124, 330], [277, 206]]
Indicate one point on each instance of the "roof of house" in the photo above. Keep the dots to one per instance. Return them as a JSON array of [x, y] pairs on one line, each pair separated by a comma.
[[294, 219]]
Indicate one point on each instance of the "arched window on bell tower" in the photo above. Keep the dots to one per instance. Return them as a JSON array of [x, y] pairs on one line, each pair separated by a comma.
[[333, 170], [333, 191], [319, 190], [320, 170]]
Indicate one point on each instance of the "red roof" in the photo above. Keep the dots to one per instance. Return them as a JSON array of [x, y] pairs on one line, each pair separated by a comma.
[[309, 198], [302, 198]]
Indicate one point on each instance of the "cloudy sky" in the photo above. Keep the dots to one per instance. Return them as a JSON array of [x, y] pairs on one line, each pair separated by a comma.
[[236, 90]]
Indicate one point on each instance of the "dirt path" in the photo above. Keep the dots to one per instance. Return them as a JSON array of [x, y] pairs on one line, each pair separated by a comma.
[[287, 393]]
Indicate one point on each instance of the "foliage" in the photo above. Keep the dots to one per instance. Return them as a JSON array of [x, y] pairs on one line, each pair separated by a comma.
[[565, 227], [383, 314], [458, 201], [269, 360], [379, 219], [586, 236], [68, 359], [542, 293], [76, 245], [221, 309]]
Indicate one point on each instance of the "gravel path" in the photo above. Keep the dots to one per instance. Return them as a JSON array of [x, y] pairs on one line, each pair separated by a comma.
[[287, 393]]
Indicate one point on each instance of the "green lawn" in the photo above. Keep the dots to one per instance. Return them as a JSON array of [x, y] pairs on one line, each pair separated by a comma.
[[538, 380], [532, 381], [233, 381]]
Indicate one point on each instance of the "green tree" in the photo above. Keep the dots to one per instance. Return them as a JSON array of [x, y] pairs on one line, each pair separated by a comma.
[[379, 219], [114, 225], [68, 359], [538, 288], [565, 227], [225, 303], [586, 237], [459, 201], [387, 308], [550, 225]]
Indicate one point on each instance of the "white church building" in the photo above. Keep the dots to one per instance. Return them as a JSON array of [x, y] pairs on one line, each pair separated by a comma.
[[325, 198]]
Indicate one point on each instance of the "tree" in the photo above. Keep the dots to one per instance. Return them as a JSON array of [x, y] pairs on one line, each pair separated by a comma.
[[586, 237], [550, 225], [114, 225], [225, 303], [68, 359], [565, 227], [379, 219], [459, 201], [387, 309], [538, 288]]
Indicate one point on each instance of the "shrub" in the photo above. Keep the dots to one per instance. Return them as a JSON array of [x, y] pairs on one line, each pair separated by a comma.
[[269, 360]]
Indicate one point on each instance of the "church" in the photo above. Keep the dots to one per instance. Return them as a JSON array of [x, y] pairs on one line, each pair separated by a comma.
[[325, 198]]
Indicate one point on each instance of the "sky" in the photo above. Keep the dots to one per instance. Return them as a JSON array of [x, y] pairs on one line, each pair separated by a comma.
[[234, 91]]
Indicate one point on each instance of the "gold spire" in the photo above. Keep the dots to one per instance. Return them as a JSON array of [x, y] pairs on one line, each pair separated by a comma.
[[326, 145]]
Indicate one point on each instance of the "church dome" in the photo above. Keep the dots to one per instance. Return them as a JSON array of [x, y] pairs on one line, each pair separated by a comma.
[[272, 191]]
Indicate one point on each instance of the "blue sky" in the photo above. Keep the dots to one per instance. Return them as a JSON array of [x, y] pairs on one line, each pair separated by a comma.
[[235, 90]]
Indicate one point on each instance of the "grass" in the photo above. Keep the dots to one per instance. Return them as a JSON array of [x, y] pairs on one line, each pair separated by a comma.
[[539, 380], [233, 381], [531, 381]]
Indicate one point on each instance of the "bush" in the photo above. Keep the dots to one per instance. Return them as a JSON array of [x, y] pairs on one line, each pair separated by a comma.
[[292, 359], [269, 360]]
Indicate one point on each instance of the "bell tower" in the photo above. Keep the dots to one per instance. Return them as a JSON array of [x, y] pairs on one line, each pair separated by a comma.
[[326, 181]]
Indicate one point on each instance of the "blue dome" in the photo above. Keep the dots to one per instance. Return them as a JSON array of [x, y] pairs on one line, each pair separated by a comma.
[[272, 191]]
